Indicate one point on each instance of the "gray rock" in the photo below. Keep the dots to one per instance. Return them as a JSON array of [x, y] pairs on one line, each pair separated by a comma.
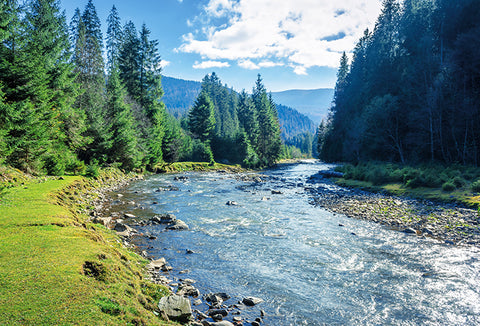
[[251, 301], [176, 308], [105, 221], [197, 302], [188, 290], [222, 323], [410, 231], [276, 192], [123, 230], [213, 312], [232, 203], [128, 215], [177, 226], [157, 264]]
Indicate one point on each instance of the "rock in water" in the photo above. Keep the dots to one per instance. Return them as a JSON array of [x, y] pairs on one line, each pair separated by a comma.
[[176, 308], [251, 301], [178, 225]]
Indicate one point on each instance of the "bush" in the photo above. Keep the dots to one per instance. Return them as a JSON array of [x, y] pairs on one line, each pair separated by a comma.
[[54, 164], [76, 167], [476, 186], [459, 182], [448, 186], [378, 175], [92, 170], [201, 152]]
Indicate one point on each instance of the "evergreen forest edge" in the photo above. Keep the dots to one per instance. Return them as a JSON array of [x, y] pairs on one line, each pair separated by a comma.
[[64, 109], [406, 109]]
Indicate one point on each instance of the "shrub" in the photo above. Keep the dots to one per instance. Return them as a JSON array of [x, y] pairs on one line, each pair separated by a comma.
[[448, 186], [378, 175], [476, 186], [459, 182], [92, 170], [76, 167], [54, 164], [109, 306]]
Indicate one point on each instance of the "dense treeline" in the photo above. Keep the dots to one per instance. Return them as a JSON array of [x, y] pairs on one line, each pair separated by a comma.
[[63, 108], [412, 90], [235, 128]]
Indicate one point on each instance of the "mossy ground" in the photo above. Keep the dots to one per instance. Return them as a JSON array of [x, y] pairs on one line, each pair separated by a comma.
[[58, 269], [425, 182], [196, 166]]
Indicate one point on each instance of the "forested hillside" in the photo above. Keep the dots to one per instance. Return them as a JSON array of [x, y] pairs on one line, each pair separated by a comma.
[[314, 103], [66, 109], [296, 129], [179, 95], [412, 90]]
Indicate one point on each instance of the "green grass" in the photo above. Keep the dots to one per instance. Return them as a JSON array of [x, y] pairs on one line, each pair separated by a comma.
[[440, 183], [44, 247], [195, 166]]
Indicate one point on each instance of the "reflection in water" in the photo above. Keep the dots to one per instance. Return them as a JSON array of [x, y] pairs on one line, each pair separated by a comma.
[[307, 268]]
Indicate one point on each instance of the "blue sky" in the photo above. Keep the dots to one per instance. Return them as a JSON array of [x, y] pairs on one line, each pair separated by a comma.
[[293, 44]]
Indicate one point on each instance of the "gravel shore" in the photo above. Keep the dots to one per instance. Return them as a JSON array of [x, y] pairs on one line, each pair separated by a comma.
[[449, 223]]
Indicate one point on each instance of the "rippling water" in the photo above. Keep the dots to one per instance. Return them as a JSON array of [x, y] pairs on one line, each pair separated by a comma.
[[310, 266]]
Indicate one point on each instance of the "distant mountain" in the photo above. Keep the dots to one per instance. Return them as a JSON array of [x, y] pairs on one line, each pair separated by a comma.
[[313, 103], [179, 96], [293, 122]]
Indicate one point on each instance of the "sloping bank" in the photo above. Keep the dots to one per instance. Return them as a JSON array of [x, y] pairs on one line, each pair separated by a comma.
[[447, 222], [56, 268]]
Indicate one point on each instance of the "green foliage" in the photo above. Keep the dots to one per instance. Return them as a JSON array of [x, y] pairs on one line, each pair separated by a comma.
[[410, 94], [92, 170], [201, 118], [201, 152], [54, 164], [476, 186], [448, 186], [109, 306]]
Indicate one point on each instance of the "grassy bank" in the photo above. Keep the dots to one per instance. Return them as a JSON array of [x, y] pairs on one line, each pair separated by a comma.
[[454, 183], [196, 166], [56, 268]]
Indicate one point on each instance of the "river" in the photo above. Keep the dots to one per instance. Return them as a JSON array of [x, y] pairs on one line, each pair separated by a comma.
[[310, 266]]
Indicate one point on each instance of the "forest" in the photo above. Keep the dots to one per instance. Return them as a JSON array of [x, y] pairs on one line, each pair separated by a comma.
[[411, 92], [64, 109]]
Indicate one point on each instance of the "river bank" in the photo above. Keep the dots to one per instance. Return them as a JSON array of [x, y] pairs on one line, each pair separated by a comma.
[[59, 268], [259, 236], [446, 222]]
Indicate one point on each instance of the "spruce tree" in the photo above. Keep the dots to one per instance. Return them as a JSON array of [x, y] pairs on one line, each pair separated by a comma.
[[201, 118], [89, 67], [114, 39], [268, 145], [123, 133]]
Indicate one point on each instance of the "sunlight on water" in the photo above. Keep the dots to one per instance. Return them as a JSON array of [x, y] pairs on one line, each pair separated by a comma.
[[307, 268]]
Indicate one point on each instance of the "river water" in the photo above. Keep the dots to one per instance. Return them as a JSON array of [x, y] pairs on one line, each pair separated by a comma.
[[311, 267]]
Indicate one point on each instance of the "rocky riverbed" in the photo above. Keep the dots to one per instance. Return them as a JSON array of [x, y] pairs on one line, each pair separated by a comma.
[[450, 223], [215, 309]]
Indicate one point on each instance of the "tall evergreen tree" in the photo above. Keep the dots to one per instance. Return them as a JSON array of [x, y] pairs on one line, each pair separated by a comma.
[[124, 138], [201, 118], [114, 39], [89, 66], [268, 145], [129, 59]]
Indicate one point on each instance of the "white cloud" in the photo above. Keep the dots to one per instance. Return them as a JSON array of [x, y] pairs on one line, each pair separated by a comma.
[[300, 33], [164, 63], [248, 64], [270, 64], [210, 64]]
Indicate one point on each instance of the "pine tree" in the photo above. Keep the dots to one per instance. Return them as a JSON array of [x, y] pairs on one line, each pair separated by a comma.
[[48, 43], [268, 145], [124, 139], [129, 60], [114, 39], [89, 66], [201, 118], [247, 117]]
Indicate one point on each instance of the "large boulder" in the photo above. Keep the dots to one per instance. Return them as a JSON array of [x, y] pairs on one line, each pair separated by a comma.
[[251, 301], [176, 308], [177, 225]]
